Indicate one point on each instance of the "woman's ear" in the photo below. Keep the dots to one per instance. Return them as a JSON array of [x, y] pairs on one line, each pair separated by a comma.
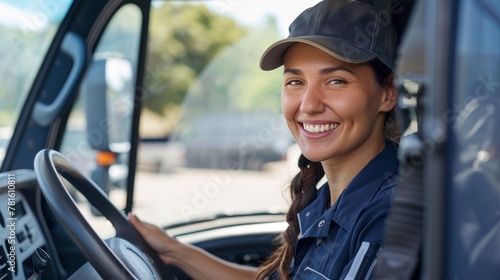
[[389, 97]]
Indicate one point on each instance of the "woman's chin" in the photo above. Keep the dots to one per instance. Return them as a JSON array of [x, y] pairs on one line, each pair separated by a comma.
[[314, 156]]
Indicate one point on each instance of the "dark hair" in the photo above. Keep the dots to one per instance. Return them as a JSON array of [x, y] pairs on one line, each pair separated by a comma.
[[385, 78], [303, 189]]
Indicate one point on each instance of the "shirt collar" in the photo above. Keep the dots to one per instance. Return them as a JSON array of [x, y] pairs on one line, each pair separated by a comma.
[[361, 189]]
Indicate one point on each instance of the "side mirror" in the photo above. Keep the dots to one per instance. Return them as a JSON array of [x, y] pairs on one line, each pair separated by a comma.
[[108, 99], [107, 93]]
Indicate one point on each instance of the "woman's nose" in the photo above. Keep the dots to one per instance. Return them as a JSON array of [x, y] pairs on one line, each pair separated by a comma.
[[312, 101]]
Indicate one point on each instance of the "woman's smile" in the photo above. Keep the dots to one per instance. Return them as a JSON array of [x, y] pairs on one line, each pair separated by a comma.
[[318, 128]]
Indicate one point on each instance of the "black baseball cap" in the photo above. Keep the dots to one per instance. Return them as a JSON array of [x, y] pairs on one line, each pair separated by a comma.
[[351, 31]]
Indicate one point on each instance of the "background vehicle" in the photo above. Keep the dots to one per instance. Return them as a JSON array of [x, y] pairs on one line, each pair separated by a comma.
[[236, 140], [160, 155], [191, 63]]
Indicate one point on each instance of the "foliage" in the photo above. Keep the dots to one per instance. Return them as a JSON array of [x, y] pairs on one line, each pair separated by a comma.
[[208, 62], [182, 40], [233, 81]]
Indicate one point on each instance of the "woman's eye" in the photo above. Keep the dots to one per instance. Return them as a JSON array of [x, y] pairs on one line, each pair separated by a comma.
[[293, 83], [336, 81]]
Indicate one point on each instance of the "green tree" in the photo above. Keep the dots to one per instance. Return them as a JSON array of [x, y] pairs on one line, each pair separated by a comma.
[[233, 81], [183, 39]]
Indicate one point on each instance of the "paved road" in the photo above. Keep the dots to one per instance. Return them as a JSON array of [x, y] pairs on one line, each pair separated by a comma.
[[193, 193]]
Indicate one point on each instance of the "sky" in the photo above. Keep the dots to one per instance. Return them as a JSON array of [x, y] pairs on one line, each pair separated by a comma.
[[246, 11], [31, 14]]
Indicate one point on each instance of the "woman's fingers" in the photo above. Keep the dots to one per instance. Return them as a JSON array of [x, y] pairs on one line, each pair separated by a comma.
[[153, 235], [139, 225]]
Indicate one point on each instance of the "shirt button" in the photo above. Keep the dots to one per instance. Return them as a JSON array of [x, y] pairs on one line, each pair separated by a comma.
[[321, 223]]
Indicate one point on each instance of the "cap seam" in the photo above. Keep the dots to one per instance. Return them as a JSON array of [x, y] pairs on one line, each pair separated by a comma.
[[316, 19], [376, 30]]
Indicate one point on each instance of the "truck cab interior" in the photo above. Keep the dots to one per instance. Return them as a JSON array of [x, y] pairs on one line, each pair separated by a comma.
[[83, 84]]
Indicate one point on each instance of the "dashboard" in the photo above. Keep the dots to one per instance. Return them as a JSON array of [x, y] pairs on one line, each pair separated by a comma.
[[20, 232]]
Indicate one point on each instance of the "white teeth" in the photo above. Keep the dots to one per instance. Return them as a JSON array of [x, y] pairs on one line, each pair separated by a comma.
[[319, 128]]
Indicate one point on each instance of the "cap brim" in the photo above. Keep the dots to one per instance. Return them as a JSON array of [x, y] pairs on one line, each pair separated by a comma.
[[273, 56]]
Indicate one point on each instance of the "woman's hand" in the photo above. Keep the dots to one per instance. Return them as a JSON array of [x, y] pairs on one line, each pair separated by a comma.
[[195, 262], [163, 244]]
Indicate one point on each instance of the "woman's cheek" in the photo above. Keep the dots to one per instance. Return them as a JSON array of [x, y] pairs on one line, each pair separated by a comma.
[[287, 106]]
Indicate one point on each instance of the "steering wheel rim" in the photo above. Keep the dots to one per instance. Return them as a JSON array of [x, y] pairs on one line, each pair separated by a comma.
[[50, 165]]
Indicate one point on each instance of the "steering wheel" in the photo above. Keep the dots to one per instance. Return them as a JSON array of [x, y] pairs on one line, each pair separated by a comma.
[[120, 261]]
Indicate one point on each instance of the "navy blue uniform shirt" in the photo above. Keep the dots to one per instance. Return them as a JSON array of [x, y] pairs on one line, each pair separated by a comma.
[[341, 242]]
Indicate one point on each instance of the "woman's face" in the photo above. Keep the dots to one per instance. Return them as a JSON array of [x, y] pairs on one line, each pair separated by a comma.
[[334, 109]]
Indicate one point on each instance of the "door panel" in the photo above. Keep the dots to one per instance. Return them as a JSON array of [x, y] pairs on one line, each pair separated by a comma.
[[473, 246]]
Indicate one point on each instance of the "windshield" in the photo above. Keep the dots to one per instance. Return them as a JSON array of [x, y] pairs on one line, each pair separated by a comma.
[[27, 29], [213, 139]]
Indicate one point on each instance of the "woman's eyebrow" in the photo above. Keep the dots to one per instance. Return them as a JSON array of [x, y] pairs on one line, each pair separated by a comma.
[[322, 71], [292, 71], [334, 69]]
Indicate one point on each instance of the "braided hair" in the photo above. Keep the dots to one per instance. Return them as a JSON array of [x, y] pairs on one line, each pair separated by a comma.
[[303, 192]]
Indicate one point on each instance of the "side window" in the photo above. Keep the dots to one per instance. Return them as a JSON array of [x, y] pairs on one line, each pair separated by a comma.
[[475, 134], [27, 29], [97, 135]]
